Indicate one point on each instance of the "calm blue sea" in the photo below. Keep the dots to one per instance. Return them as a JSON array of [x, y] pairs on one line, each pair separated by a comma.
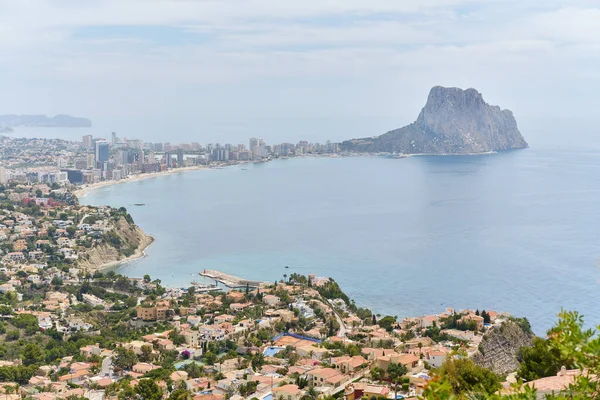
[[515, 231]]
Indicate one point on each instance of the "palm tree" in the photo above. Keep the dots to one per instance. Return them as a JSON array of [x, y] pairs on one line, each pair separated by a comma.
[[285, 277], [312, 393]]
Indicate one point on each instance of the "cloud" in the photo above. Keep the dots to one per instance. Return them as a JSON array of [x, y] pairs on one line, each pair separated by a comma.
[[311, 58]]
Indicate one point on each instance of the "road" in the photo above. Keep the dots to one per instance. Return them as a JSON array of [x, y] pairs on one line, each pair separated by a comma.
[[342, 332], [83, 219]]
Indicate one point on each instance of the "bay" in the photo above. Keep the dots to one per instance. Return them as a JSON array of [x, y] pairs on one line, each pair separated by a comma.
[[514, 231]]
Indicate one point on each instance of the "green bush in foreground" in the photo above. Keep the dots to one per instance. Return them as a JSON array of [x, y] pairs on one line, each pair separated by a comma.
[[569, 342]]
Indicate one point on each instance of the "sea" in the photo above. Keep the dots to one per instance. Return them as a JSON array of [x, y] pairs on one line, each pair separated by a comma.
[[516, 231]]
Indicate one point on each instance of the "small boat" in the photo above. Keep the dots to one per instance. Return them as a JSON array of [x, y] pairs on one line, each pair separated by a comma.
[[139, 204], [286, 267], [244, 169]]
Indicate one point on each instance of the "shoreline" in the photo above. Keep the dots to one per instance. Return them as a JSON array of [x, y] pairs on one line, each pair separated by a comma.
[[83, 191], [140, 253], [148, 240]]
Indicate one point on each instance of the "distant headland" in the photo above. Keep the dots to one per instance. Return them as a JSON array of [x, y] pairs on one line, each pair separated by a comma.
[[43, 121], [453, 121]]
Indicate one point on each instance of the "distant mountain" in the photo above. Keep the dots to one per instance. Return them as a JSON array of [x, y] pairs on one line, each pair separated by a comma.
[[454, 121], [58, 121]]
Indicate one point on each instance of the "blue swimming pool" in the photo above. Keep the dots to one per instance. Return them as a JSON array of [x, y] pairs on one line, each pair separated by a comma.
[[271, 351]]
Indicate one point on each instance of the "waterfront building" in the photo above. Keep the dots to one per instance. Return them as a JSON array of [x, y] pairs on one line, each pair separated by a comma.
[[87, 141], [75, 176], [253, 143], [180, 157], [102, 151], [91, 160]]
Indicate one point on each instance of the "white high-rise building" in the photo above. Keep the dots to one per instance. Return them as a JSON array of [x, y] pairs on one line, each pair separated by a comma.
[[253, 143], [87, 141], [3, 177], [91, 161]]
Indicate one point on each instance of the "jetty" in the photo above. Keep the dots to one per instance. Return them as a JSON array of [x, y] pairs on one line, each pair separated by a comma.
[[232, 281]]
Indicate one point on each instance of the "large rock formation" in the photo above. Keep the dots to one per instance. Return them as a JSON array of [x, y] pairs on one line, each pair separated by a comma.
[[454, 121], [499, 349]]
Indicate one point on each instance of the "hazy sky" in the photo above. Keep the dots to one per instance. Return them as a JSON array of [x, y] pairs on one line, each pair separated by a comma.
[[225, 69]]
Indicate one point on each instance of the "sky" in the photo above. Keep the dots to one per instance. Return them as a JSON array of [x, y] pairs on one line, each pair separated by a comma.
[[224, 70]]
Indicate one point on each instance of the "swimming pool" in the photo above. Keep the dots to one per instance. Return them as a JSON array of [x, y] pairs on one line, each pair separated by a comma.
[[271, 351]]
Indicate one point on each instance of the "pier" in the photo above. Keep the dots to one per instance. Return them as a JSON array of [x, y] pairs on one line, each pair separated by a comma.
[[231, 281]]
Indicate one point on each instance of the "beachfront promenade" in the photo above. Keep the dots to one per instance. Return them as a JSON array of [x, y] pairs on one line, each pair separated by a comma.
[[231, 281]]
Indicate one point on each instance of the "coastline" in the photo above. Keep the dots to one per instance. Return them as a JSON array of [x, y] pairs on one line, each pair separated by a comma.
[[140, 252], [84, 190], [147, 240]]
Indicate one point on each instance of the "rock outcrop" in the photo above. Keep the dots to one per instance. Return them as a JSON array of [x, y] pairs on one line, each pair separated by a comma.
[[500, 347], [453, 121], [133, 241]]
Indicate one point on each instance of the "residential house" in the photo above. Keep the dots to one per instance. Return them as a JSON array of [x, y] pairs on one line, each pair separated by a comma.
[[319, 376], [271, 300], [287, 392], [349, 365]]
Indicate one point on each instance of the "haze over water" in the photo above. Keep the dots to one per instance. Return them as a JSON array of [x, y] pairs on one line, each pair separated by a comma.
[[515, 231]]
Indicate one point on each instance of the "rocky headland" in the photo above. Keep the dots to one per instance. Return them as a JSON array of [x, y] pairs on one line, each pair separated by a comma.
[[453, 121]]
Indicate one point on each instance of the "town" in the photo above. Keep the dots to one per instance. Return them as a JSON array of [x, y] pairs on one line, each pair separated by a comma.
[[96, 160], [103, 335], [72, 328]]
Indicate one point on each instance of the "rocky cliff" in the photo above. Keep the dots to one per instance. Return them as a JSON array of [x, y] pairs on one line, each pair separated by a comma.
[[453, 121], [500, 346], [127, 242]]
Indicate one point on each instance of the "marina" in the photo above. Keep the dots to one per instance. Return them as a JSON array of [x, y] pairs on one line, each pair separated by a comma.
[[231, 281]]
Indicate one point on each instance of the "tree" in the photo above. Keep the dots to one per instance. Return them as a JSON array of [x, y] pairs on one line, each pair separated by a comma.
[[539, 361], [486, 317], [180, 394], [32, 354], [193, 370], [13, 335], [387, 322], [176, 338], [147, 278], [258, 360], [57, 281], [146, 355], [312, 393], [147, 389], [377, 374], [395, 372], [464, 376], [579, 348], [125, 359], [248, 388], [568, 341], [210, 358]]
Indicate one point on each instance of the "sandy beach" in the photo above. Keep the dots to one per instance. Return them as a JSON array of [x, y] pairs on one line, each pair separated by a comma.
[[85, 189]]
